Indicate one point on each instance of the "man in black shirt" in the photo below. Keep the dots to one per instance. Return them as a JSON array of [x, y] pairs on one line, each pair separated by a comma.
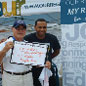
[[40, 36]]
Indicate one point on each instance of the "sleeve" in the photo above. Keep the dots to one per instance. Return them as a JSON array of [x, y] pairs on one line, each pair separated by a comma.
[[2, 45], [56, 44]]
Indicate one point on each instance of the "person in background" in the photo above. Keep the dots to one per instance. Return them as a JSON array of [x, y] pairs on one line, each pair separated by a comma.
[[51, 41], [14, 74]]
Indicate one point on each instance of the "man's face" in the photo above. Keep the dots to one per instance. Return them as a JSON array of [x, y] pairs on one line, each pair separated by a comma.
[[41, 28], [19, 32]]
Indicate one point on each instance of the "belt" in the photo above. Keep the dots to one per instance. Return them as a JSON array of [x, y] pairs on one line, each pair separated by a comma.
[[37, 67], [21, 73]]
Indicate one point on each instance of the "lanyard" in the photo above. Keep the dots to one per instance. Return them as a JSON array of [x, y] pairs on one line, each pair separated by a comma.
[[14, 39]]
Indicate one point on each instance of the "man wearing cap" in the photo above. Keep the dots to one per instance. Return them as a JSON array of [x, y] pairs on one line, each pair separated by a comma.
[[14, 74]]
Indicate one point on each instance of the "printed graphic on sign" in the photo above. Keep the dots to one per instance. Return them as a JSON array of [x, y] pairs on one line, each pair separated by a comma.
[[28, 53]]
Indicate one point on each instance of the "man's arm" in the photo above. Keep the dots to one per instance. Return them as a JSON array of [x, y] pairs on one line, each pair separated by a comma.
[[2, 54], [48, 63], [55, 53], [8, 46]]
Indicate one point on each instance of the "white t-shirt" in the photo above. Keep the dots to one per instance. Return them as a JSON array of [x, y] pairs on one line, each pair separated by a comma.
[[7, 58]]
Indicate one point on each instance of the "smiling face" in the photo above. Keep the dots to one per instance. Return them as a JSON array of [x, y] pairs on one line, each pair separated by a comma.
[[19, 32], [41, 29]]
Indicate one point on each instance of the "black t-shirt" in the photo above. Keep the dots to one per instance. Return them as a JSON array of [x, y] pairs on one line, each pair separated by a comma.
[[49, 40]]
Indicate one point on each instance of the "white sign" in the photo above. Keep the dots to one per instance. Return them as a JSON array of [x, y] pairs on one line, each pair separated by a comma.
[[38, 7], [29, 53]]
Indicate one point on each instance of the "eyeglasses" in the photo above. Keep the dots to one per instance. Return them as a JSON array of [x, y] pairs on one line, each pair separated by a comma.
[[20, 29], [44, 27]]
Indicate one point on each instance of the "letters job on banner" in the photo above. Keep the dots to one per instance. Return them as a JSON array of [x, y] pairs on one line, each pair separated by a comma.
[[29, 53]]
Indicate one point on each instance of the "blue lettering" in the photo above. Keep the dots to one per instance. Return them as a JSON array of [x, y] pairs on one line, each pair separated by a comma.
[[43, 5], [76, 34], [1, 11], [80, 80], [82, 31], [68, 78]]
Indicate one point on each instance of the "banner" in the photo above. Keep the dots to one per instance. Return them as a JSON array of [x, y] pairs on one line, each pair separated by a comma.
[[29, 53], [73, 25], [27, 7]]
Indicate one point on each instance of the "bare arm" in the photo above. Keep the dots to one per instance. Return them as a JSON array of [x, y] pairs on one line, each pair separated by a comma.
[[55, 53], [8, 46], [2, 54], [48, 63]]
